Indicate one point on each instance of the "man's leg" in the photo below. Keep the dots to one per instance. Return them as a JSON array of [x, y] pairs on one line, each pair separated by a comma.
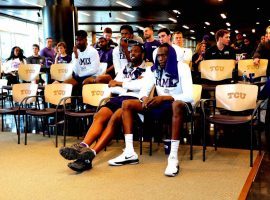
[[178, 108], [81, 151], [129, 156]]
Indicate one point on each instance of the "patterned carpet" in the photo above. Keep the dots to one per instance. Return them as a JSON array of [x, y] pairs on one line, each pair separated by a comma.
[[37, 171]]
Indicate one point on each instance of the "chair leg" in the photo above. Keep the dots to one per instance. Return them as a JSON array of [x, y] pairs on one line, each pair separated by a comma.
[[65, 129], [215, 136], [18, 129], [25, 130], [151, 146], [251, 145], [204, 135], [191, 138]]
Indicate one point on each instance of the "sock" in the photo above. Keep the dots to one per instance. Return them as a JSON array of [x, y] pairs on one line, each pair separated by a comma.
[[84, 144], [174, 149], [129, 143], [94, 152]]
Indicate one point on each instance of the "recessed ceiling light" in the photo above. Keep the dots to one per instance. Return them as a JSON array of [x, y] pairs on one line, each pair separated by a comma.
[[244, 35], [120, 19], [193, 38], [172, 19], [204, 27], [258, 8], [124, 13], [123, 4], [207, 23], [192, 31], [84, 13], [228, 29], [220, 0], [185, 26], [236, 31], [257, 22], [223, 15], [161, 26], [177, 12], [32, 4], [212, 33], [253, 30], [228, 24]]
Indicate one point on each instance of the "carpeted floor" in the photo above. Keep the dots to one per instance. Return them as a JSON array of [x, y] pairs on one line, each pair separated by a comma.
[[38, 172]]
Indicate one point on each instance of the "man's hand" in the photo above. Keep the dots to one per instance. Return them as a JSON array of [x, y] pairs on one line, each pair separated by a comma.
[[114, 83], [75, 51], [256, 61], [89, 80]]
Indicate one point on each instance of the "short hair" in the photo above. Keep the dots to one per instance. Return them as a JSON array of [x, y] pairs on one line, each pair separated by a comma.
[[150, 27], [81, 33], [140, 46], [221, 33], [63, 44], [164, 45], [127, 27], [107, 30], [166, 30], [177, 32], [35, 45], [49, 38]]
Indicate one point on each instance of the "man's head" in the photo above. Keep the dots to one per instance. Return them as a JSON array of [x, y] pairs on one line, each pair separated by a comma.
[[49, 42], [35, 48], [137, 54], [162, 54], [239, 36], [126, 31], [148, 32], [164, 35], [102, 42], [267, 34], [107, 33], [81, 39], [223, 37], [178, 39]]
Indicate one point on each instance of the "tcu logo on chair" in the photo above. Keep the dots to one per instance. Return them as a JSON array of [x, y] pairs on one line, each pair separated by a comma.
[[62, 71], [100, 93], [25, 92], [59, 92], [237, 95], [216, 68]]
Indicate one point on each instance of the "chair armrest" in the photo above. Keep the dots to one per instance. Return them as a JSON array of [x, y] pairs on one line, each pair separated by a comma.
[[258, 105], [102, 102], [24, 101], [202, 104]]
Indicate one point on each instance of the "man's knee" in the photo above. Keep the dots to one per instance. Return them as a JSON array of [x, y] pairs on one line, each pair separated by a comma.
[[178, 107], [127, 105]]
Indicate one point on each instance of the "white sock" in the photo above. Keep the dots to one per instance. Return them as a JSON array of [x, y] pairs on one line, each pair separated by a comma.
[[174, 149], [94, 152], [84, 144], [129, 143]]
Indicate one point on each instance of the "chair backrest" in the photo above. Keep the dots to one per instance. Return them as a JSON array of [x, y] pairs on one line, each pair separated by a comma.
[[236, 97], [55, 92], [61, 71], [94, 93], [22, 90], [28, 72], [248, 66], [197, 92], [216, 70]]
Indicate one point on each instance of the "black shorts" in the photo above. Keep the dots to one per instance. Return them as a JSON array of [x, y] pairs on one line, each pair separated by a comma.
[[80, 79], [116, 102]]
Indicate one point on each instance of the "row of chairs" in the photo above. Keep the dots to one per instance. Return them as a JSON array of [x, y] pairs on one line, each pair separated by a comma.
[[55, 103]]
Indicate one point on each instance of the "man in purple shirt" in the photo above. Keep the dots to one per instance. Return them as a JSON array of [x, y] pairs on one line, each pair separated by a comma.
[[150, 44], [48, 52]]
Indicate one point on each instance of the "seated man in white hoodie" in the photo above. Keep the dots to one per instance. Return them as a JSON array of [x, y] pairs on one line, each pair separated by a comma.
[[85, 60], [174, 85], [127, 84]]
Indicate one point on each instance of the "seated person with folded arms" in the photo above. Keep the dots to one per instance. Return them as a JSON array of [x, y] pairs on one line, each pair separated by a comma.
[[127, 84], [174, 85], [62, 56]]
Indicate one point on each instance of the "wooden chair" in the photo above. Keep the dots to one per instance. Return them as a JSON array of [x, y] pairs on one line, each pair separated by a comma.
[[51, 102], [19, 93], [28, 72], [61, 72], [87, 105], [235, 99], [3, 93], [249, 67]]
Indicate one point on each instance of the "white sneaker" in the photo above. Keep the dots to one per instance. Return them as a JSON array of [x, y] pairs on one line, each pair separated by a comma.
[[172, 168], [124, 159]]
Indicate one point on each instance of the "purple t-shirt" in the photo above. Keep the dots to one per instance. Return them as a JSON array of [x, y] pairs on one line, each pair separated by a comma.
[[49, 56], [149, 48]]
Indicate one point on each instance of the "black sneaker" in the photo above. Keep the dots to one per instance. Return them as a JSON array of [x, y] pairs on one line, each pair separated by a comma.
[[77, 151], [80, 165]]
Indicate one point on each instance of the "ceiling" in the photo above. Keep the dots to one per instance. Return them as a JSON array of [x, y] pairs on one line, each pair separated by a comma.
[[94, 15]]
